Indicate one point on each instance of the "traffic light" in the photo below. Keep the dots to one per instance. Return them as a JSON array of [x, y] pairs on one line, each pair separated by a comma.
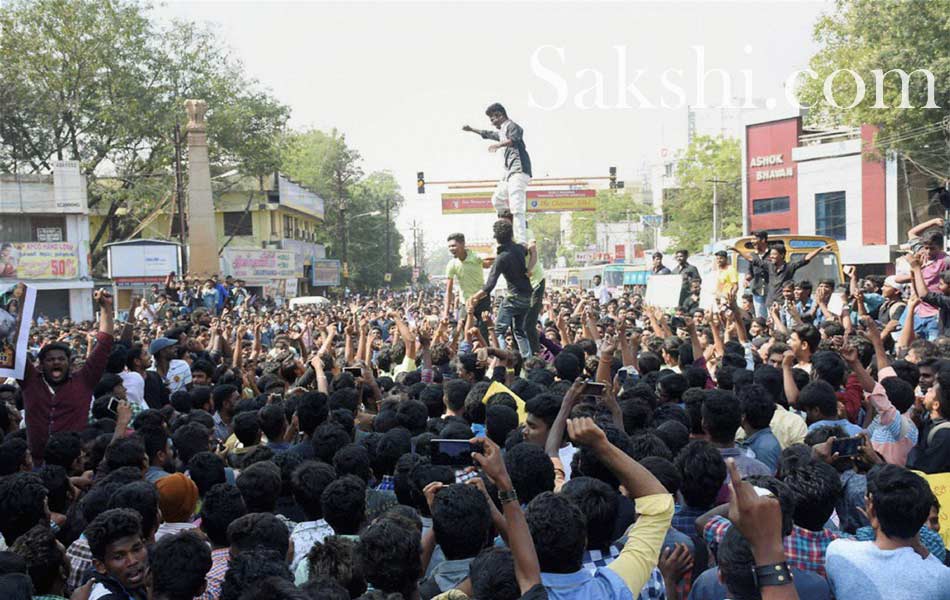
[[613, 178], [421, 182]]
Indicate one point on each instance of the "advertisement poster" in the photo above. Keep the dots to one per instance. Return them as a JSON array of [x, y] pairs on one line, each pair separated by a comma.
[[259, 264], [325, 273], [38, 260], [16, 313], [538, 201]]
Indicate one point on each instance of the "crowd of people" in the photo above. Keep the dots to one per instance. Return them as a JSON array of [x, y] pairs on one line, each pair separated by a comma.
[[771, 445]]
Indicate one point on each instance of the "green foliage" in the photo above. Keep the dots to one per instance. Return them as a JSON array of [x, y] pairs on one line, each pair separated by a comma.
[[613, 206], [689, 211], [547, 231], [864, 35], [326, 164], [100, 82]]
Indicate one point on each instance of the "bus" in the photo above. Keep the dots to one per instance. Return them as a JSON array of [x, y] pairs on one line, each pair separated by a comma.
[[827, 265], [613, 276]]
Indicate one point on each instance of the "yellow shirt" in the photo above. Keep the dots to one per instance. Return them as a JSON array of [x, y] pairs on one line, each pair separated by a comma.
[[787, 427], [644, 539], [468, 273], [726, 279]]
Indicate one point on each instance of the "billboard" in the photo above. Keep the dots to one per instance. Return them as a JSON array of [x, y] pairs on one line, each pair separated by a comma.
[[254, 264], [16, 312], [325, 273], [539, 201], [38, 260], [143, 260]]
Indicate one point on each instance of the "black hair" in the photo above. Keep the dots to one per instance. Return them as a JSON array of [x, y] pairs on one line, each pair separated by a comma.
[[56, 481], [757, 406], [142, 497], [899, 392], [334, 561], [189, 440], [431, 396], [647, 444], [908, 371], [599, 503], [45, 562], [247, 429], [344, 504], [568, 366], [665, 471], [704, 472], [674, 434], [499, 422], [179, 564], [206, 469], [820, 395], [770, 378], [721, 415], [308, 481], [222, 505], [587, 463], [455, 391], [389, 557], [637, 415], [353, 459], [312, 410], [559, 531], [461, 520], [327, 439], [674, 385], [786, 498], [808, 334], [828, 366], [530, 469], [220, 393], [110, 526], [260, 486], [816, 487], [22, 498], [393, 444], [249, 570], [12, 454], [273, 423], [493, 575], [736, 566], [345, 397], [62, 448], [412, 415], [495, 107], [258, 530], [902, 500]]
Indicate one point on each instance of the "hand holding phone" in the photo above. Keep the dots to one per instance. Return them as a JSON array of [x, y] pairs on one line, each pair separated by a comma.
[[453, 453], [847, 447]]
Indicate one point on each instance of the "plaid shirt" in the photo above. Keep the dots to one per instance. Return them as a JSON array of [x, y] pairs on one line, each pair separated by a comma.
[[654, 589], [80, 561], [684, 519], [220, 561], [804, 549]]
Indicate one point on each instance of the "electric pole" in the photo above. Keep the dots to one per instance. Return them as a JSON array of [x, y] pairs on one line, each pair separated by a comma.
[[388, 227]]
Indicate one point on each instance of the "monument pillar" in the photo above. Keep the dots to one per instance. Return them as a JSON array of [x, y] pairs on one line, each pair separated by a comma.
[[202, 232]]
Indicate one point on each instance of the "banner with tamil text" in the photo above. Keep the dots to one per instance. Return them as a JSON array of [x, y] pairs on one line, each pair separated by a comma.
[[38, 260], [538, 201]]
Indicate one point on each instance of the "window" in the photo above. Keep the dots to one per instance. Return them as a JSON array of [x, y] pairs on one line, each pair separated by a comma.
[[32, 228], [288, 227], [830, 215], [783, 231], [770, 205], [237, 223]]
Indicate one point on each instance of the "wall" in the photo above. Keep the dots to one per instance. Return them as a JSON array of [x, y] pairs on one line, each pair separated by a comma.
[[762, 140]]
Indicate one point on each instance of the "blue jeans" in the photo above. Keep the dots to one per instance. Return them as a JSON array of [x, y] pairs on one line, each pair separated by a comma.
[[511, 314], [925, 328], [531, 319], [761, 310]]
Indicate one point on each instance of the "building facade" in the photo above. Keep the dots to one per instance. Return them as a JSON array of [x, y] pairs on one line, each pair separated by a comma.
[[44, 239], [830, 182]]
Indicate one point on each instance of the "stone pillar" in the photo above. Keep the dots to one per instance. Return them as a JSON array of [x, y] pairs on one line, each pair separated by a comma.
[[202, 233]]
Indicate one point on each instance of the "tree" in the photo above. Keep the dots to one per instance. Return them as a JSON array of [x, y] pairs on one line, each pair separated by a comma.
[[547, 231], [689, 211], [873, 38], [326, 164], [101, 83], [613, 206]]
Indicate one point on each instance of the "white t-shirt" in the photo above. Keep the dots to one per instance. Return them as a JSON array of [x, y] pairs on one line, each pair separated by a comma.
[[134, 388], [179, 375]]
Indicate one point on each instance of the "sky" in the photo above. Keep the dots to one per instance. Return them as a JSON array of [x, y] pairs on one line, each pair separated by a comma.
[[399, 79]]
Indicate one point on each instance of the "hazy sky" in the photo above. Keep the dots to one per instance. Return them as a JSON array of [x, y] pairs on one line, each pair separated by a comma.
[[400, 79]]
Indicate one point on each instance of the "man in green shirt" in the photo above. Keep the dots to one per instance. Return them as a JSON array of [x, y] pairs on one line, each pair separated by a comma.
[[467, 268]]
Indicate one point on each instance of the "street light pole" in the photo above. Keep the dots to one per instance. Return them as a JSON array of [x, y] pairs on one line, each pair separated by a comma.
[[388, 227], [715, 208]]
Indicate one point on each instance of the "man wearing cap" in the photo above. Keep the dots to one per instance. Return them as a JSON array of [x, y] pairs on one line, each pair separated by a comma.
[[176, 373], [890, 313], [54, 398]]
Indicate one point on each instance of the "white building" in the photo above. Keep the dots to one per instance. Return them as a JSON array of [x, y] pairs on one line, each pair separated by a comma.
[[44, 239]]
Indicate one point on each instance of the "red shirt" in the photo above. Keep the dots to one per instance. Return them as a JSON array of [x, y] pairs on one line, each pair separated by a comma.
[[852, 397], [68, 408]]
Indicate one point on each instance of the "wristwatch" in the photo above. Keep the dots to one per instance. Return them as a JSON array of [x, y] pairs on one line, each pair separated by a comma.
[[505, 496], [776, 574]]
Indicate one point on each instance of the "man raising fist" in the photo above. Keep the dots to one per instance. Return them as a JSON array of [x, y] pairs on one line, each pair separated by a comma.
[[56, 399]]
